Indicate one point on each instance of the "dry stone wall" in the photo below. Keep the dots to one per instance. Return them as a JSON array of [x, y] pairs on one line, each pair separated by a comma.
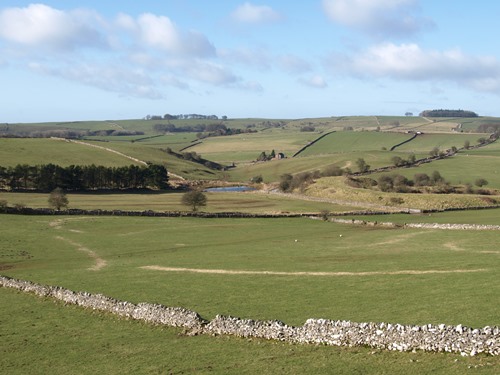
[[398, 337]]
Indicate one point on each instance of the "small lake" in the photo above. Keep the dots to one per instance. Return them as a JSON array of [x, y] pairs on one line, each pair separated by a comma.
[[226, 189]]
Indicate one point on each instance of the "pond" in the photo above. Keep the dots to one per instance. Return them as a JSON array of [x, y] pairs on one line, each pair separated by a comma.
[[226, 189]]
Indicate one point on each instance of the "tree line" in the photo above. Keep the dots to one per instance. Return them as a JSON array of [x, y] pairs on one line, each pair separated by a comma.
[[448, 113], [212, 129], [47, 177], [194, 116], [65, 133]]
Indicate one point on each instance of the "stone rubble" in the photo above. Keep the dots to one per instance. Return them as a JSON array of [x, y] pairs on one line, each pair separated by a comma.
[[397, 337], [419, 225]]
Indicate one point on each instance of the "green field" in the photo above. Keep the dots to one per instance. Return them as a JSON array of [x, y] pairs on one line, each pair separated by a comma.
[[253, 144], [46, 250], [41, 337], [217, 202], [426, 142], [37, 151], [353, 142], [464, 167], [370, 273]]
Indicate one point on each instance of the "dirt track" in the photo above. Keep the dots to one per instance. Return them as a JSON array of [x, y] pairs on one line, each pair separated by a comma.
[[277, 273]]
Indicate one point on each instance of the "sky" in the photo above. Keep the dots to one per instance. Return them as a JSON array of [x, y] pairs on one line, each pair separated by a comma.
[[66, 60]]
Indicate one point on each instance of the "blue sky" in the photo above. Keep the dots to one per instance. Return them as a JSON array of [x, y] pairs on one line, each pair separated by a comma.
[[65, 60]]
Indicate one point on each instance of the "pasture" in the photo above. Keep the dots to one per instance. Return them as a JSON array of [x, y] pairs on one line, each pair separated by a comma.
[[41, 336], [411, 276], [464, 167], [286, 269], [252, 144], [353, 142], [248, 202], [36, 151]]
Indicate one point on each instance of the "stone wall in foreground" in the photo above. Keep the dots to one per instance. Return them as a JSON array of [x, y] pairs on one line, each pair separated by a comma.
[[440, 338]]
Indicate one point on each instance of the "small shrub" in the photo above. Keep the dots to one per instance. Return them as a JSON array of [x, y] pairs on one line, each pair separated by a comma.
[[332, 170], [362, 165], [324, 214], [480, 182], [257, 179], [385, 183], [436, 178], [434, 151], [422, 179], [285, 182], [3, 205], [398, 161], [483, 192]]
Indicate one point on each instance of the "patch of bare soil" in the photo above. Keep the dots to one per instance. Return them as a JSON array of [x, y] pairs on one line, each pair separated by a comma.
[[398, 239], [277, 273], [453, 246]]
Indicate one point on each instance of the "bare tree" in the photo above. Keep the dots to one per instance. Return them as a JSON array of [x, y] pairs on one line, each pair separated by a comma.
[[58, 199]]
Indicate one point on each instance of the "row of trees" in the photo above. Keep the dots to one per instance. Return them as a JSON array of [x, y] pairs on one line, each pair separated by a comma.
[[19, 132], [194, 116], [401, 184], [216, 129], [88, 177], [448, 113]]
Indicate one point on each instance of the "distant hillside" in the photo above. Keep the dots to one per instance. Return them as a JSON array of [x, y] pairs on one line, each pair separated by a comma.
[[448, 113]]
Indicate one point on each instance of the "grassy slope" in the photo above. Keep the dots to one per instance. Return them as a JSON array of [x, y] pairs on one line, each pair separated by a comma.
[[276, 139], [155, 155], [465, 167], [340, 142], [40, 336], [335, 188], [217, 202], [15, 151], [33, 247], [426, 142]]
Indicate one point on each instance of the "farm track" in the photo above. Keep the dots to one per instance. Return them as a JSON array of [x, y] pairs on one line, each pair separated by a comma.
[[278, 273], [114, 152], [99, 262]]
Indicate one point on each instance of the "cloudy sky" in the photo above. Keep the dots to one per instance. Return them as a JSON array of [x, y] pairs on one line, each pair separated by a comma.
[[64, 60]]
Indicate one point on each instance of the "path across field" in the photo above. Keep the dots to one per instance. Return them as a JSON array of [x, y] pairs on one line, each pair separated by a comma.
[[277, 273]]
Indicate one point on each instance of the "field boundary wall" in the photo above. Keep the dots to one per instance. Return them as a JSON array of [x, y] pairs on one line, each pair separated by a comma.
[[388, 336]]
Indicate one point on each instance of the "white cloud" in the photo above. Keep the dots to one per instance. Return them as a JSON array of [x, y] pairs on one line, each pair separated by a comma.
[[39, 26], [378, 17], [209, 73], [256, 14], [315, 81], [410, 62], [161, 33], [115, 78]]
